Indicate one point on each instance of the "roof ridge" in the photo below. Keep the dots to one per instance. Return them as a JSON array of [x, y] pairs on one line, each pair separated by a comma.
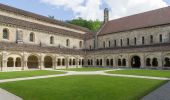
[[41, 17]]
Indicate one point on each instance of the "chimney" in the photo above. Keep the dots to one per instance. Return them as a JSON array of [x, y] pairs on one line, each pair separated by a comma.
[[106, 15]]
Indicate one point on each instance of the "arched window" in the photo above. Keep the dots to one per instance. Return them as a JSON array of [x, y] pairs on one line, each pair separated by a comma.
[[10, 62], [111, 62], [109, 44], [135, 41], [148, 62], [151, 39], [119, 62], [51, 40], [101, 62], [143, 40], [160, 38], [70, 62], [74, 62], [124, 62], [63, 62], [104, 45], [128, 41], [155, 62], [32, 37], [97, 62], [115, 43], [88, 61], [67, 42], [59, 62], [91, 62], [121, 42], [5, 33], [107, 62], [18, 62], [80, 44]]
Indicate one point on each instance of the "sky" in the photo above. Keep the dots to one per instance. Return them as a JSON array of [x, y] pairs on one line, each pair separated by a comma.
[[86, 9]]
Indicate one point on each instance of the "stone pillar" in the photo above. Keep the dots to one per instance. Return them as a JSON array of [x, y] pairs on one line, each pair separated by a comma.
[[41, 62], [142, 61], [67, 62], [4, 60]]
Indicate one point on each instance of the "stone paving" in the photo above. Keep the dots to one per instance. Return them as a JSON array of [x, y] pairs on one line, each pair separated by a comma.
[[160, 92]]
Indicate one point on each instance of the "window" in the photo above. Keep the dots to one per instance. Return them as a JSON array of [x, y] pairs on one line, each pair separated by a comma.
[[143, 40], [68, 42], [115, 43], [160, 38], [5, 34], [80, 44], [151, 39], [128, 41], [109, 44], [121, 42], [104, 45], [90, 47], [32, 37], [51, 40], [135, 41]]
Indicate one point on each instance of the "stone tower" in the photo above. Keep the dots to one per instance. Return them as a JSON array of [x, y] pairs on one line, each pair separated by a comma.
[[106, 15]]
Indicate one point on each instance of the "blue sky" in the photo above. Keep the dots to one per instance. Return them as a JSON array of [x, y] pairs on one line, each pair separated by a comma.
[[87, 9]]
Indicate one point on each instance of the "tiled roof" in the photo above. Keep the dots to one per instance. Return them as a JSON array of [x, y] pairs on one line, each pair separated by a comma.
[[26, 24], [38, 48], [133, 49], [42, 18], [142, 20]]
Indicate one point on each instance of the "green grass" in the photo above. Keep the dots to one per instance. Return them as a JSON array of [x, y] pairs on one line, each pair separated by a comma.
[[86, 69], [87, 87], [19, 74], [140, 72]]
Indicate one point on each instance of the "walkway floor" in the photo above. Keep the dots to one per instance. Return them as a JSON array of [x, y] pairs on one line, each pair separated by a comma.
[[160, 91], [5, 95]]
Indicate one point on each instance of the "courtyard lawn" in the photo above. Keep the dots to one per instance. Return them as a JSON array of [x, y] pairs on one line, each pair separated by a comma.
[[86, 69], [19, 74], [143, 72], [87, 87]]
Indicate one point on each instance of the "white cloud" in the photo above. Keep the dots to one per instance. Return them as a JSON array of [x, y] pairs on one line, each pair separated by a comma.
[[91, 9]]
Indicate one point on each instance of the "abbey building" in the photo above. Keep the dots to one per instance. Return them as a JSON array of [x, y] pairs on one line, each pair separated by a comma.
[[31, 41]]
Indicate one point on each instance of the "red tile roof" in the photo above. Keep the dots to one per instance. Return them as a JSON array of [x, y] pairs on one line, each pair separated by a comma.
[[142, 20]]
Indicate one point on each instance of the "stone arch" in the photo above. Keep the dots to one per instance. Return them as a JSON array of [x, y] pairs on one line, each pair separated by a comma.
[[166, 60], [10, 62], [151, 60], [155, 62], [135, 61], [33, 61], [48, 62]]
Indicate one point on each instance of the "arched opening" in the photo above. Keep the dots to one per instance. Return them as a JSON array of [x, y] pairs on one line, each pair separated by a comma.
[[48, 62], [135, 62], [155, 62], [124, 62], [74, 62], [107, 62], [51, 40], [10, 62], [18, 62], [167, 62], [63, 62], [5, 33], [32, 62], [148, 62], [119, 62], [59, 62], [88, 61], [70, 62], [82, 62], [32, 37], [111, 62], [97, 62], [91, 62], [101, 62]]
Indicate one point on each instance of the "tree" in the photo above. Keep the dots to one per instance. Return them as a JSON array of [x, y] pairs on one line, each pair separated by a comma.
[[91, 25]]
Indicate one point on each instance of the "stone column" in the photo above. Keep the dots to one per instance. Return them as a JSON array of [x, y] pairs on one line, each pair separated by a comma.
[[67, 62], [142, 61], [4, 60]]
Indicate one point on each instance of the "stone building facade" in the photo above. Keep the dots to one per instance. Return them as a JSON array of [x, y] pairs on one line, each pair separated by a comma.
[[31, 41]]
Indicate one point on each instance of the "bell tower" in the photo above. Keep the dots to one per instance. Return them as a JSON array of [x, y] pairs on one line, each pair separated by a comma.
[[106, 15]]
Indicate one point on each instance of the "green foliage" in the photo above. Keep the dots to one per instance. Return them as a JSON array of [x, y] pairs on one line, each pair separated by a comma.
[[91, 25]]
